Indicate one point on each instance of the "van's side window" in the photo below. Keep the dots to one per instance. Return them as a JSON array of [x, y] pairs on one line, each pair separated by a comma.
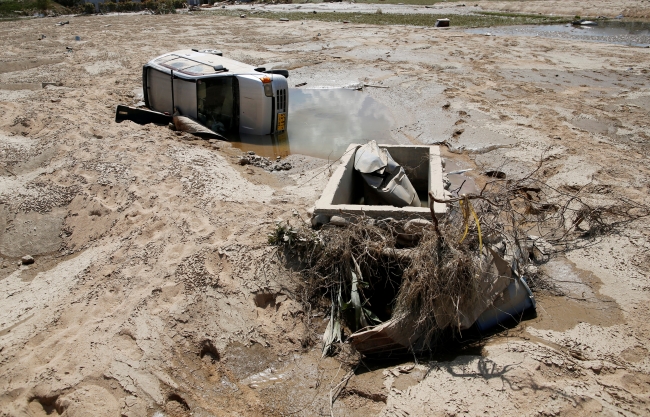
[[217, 103]]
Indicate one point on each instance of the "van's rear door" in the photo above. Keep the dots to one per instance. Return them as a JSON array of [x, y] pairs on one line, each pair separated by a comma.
[[159, 91]]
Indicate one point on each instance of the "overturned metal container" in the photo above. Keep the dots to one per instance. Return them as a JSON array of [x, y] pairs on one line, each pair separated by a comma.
[[384, 180]]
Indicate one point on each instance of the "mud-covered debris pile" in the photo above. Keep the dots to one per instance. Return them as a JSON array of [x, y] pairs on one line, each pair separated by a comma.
[[391, 286], [411, 283], [262, 162]]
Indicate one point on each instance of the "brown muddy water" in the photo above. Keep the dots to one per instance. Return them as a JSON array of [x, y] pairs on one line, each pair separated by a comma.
[[579, 301], [323, 122], [459, 176]]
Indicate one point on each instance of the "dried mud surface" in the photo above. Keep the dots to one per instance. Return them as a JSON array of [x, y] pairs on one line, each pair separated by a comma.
[[147, 296]]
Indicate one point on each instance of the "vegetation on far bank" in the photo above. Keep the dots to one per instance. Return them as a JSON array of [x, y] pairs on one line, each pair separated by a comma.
[[482, 19], [16, 8]]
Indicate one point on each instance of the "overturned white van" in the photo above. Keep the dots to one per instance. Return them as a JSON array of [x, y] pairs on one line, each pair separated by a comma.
[[224, 95]]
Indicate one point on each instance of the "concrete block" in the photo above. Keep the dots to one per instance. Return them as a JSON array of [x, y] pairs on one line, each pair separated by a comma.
[[343, 195]]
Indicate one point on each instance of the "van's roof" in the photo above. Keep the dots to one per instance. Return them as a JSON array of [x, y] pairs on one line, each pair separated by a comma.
[[200, 64]]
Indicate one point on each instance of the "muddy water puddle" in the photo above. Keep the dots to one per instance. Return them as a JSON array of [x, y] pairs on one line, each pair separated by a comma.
[[323, 122], [459, 176], [20, 86], [290, 383], [580, 301], [606, 31], [247, 361]]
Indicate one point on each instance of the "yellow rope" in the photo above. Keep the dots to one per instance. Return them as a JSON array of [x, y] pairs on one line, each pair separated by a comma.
[[467, 208], [478, 228], [465, 217]]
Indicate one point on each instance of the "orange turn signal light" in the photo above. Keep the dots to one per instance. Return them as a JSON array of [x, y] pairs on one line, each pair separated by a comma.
[[266, 79]]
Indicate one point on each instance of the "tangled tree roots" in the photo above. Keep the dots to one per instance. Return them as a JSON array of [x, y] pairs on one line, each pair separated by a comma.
[[374, 270], [443, 275]]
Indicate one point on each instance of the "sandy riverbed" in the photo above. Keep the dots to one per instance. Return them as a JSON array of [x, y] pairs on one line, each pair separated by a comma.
[[148, 295]]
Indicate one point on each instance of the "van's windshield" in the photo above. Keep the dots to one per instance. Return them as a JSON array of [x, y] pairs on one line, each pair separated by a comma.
[[218, 103]]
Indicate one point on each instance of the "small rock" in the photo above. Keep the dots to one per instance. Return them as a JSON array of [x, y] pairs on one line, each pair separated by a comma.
[[242, 16], [244, 161], [251, 153], [27, 260], [446, 182], [416, 226], [531, 270], [539, 248], [577, 354], [55, 100], [319, 220], [446, 105], [597, 368], [338, 221], [284, 19]]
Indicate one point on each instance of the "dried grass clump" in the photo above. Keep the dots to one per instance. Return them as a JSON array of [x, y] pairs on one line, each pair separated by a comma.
[[440, 281], [326, 258], [428, 274]]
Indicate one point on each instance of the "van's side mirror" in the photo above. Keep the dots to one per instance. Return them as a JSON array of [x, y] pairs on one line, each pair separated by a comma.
[[284, 73]]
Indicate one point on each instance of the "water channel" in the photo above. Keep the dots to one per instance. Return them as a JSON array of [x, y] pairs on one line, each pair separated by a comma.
[[606, 31], [323, 122]]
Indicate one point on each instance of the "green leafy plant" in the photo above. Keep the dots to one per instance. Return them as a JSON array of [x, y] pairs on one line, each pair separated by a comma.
[[89, 8], [42, 5]]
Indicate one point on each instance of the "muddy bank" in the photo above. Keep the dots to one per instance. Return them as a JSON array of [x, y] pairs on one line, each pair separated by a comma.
[[628, 8]]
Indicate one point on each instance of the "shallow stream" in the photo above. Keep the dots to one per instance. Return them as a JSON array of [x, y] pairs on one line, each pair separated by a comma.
[[606, 31]]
